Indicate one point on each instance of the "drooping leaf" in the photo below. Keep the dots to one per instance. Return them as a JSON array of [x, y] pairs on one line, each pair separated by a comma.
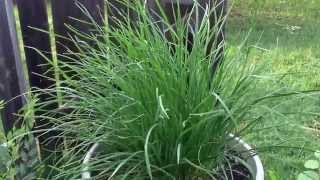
[[4, 158], [272, 175], [312, 164], [317, 154], [308, 175]]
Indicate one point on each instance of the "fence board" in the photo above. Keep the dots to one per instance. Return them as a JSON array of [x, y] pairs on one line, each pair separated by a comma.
[[34, 14], [62, 12], [12, 81]]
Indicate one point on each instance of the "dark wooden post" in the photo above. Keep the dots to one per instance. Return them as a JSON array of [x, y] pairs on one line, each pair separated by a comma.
[[12, 80], [64, 11], [34, 21], [33, 14]]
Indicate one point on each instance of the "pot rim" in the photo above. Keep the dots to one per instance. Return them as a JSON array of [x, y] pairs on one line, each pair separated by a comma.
[[254, 156], [259, 171]]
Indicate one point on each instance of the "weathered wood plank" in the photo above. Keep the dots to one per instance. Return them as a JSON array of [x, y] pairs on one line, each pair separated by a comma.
[[12, 80], [33, 14], [64, 11], [34, 25]]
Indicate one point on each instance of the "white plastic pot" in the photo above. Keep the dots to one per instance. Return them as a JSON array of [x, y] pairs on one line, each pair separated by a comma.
[[236, 143], [253, 160]]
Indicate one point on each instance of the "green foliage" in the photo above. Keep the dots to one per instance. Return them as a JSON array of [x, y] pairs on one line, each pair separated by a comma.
[[308, 175], [312, 164], [312, 167], [317, 154], [19, 152], [272, 175], [5, 156], [1, 125]]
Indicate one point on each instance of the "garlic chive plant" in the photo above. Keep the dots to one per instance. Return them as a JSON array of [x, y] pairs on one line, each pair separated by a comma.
[[154, 106]]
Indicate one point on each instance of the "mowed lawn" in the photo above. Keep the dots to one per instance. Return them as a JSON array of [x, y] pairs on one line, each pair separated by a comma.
[[286, 34]]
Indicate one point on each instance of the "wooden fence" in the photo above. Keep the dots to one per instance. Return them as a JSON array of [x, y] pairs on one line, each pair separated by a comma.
[[34, 13]]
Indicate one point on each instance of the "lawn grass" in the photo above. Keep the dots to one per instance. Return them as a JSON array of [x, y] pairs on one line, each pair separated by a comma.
[[287, 34]]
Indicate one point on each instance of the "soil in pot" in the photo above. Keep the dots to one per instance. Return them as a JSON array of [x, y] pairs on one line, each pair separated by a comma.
[[236, 172]]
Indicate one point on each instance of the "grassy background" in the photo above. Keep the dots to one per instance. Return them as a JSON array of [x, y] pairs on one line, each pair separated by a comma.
[[287, 34]]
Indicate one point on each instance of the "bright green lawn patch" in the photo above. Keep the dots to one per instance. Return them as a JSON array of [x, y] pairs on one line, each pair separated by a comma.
[[279, 8], [287, 33]]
